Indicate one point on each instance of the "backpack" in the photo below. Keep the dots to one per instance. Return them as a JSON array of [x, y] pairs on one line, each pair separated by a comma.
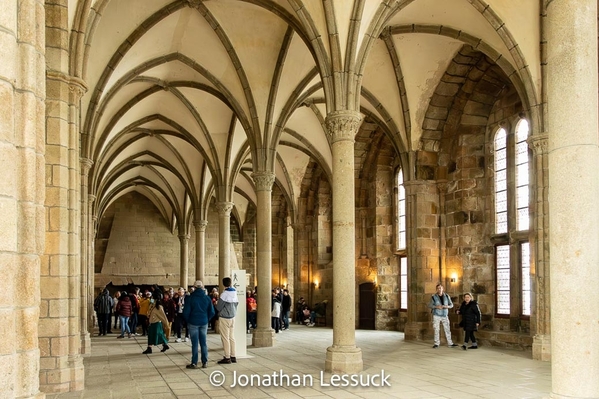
[[252, 306]]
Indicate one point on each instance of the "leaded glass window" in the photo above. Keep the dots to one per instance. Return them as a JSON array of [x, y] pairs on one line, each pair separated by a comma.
[[525, 255], [401, 211], [502, 257], [501, 216], [403, 283]]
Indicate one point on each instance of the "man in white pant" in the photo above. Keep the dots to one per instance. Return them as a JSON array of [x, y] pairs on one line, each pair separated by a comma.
[[227, 308], [439, 304]]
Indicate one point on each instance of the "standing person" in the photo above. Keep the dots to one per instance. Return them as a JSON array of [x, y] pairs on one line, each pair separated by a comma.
[[470, 319], [197, 312], [170, 312], [157, 319], [440, 303], [124, 310], [115, 301], [286, 309], [252, 307], [275, 312], [227, 309], [179, 322], [142, 316], [134, 297], [103, 307], [299, 311]]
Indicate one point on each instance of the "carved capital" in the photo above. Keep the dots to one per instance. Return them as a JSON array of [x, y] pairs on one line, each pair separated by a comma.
[[86, 165], [442, 186], [263, 180], [201, 225], [343, 125], [224, 208], [539, 144], [184, 237], [91, 198]]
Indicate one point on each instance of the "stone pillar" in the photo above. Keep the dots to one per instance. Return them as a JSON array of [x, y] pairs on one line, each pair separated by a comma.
[[573, 192], [184, 261], [22, 141], [86, 164], [424, 269], [263, 335], [290, 260], [343, 356], [200, 227], [91, 262], [539, 245], [224, 241]]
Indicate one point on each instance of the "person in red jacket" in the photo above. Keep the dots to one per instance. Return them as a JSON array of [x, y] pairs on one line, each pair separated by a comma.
[[124, 310]]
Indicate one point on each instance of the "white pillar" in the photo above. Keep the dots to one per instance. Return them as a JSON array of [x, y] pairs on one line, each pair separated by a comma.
[[200, 227], [184, 258], [573, 192], [224, 241], [343, 356], [262, 336]]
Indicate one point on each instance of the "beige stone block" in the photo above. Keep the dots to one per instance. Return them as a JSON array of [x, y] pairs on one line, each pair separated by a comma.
[[27, 214], [56, 243], [54, 287], [8, 55], [58, 219], [51, 327], [27, 67], [8, 375], [7, 330], [26, 128], [56, 155], [27, 280], [26, 336], [8, 218], [47, 363], [57, 131], [7, 122], [58, 308], [59, 346]]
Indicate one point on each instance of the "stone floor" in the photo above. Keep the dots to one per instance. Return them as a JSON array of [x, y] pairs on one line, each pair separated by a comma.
[[118, 369]]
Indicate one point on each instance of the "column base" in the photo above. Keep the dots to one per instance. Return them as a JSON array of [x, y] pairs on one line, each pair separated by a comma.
[[541, 347], [416, 330], [343, 359], [263, 338], [86, 344]]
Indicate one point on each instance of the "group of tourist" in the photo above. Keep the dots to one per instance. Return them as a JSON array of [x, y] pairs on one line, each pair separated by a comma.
[[157, 312]]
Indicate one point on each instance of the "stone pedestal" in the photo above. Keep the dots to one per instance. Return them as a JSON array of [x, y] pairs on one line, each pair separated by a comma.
[[341, 359], [263, 337]]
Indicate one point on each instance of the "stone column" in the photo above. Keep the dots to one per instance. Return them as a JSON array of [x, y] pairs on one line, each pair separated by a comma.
[[200, 227], [22, 141], [424, 269], [290, 261], [263, 335], [343, 356], [224, 241], [184, 260], [573, 192], [91, 262], [86, 164], [539, 245]]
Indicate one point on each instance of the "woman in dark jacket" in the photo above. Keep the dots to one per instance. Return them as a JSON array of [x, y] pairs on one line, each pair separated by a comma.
[[470, 319], [124, 310]]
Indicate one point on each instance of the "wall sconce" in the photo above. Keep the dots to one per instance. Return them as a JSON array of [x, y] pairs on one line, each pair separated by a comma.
[[315, 284], [454, 278]]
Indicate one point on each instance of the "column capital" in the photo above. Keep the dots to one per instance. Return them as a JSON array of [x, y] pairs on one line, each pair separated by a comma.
[[263, 180], [539, 143], [86, 165], [184, 237], [442, 186], [224, 208], [342, 125], [200, 225], [91, 198]]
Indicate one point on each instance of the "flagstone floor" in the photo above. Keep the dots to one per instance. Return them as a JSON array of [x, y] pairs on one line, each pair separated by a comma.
[[293, 368]]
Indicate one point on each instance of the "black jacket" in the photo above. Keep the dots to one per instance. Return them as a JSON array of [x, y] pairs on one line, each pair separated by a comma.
[[470, 315]]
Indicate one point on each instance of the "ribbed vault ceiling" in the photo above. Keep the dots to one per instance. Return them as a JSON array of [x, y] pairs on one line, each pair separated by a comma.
[[186, 98]]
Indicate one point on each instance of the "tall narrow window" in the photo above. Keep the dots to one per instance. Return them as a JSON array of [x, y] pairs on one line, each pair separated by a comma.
[[403, 283], [525, 259], [502, 258], [501, 219], [522, 220], [401, 212]]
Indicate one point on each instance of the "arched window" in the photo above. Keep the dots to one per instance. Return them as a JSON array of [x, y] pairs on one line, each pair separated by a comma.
[[402, 241], [512, 252]]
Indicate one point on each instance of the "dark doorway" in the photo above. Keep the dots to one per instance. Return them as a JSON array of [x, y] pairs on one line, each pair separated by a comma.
[[367, 306]]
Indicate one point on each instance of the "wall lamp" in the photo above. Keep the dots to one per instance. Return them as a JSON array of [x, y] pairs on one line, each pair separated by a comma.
[[454, 278]]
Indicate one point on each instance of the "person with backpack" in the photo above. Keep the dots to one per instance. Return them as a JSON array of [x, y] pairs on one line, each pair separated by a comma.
[[439, 305]]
